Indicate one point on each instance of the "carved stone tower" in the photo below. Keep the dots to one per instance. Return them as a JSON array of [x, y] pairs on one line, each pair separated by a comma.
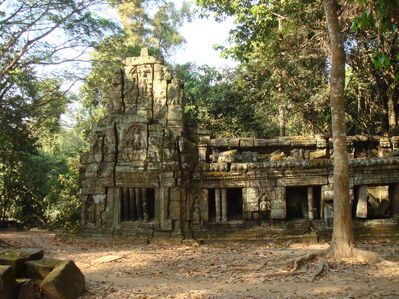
[[141, 155]]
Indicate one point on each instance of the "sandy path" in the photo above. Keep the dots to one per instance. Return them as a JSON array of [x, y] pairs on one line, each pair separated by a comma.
[[225, 270]]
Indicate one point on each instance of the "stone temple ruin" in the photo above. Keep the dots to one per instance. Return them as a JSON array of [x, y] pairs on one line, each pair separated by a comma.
[[151, 172]]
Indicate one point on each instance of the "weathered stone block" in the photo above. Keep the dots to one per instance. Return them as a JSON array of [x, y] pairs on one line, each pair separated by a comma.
[[322, 153], [234, 142], [26, 288], [303, 141], [302, 181], [7, 282], [159, 89], [175, 112], [143, 60], [321, 141], [17, 258], [66, 281], [284, 141], [277, 157], [260, 142], [222, 142], [272, 142], [39, 269], [395, 142], [227, 156], [246, 142], [385, 142]]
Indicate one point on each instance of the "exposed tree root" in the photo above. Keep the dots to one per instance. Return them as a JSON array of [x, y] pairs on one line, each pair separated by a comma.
[[298, 262], [287, 273], [354, 254], [323, 267], [302, 260], [349, 253]]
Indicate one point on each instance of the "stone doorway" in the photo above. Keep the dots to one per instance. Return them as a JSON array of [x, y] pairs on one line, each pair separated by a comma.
[[137, 204], [303, 202], [225, 204], [372, 202]]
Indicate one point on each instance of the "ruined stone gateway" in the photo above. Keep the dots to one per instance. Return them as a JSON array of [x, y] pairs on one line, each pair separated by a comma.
[[151, 172]]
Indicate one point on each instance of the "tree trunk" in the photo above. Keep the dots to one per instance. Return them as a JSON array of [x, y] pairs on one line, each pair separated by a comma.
[[342, 239], [281, 120], [392, 113]]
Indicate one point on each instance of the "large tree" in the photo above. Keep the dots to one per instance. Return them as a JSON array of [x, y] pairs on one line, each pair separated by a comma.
[[342, 240], [35, 34]]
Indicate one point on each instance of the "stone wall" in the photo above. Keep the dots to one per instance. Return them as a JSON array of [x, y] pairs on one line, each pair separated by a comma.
[[151, 171]]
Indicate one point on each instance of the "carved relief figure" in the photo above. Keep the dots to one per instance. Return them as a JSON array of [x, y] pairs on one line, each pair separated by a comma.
[[134, 143], [145, 80], [264, 203], [90, 210]]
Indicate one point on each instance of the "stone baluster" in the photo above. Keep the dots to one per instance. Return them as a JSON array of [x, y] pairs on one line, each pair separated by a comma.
[[394, 199], [224, 205], [218, 204], [145, 204], [310, 203], [361, 208], [139, 203], [132, 203]]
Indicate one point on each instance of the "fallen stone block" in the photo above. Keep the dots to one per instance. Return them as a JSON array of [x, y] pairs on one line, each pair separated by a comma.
[[39, 269], [318, 154], [17, 258], [26, 289], [7, 282], [66, 281]]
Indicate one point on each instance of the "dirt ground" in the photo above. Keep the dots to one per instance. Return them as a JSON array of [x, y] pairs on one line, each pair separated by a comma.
[[124, 269]]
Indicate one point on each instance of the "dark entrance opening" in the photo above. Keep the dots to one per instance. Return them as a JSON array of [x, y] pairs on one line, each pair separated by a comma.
[[211, 205], [151, 203], [137, 204], [234, 203], [297, 202], [316, 201], [372, 202]]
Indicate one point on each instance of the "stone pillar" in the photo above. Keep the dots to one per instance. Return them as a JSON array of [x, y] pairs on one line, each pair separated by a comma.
[[145, 204], [394, 199], [310, 203], [139, 203], [361, 208], [125, 205], [217, 204], [117, 207], [224, 205], [278, 204], [132, 204]]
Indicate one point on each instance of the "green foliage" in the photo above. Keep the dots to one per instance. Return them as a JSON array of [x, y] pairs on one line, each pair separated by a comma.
[[372, 46], [215, 100], [36, 33], [281, 45], [63, 206]]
